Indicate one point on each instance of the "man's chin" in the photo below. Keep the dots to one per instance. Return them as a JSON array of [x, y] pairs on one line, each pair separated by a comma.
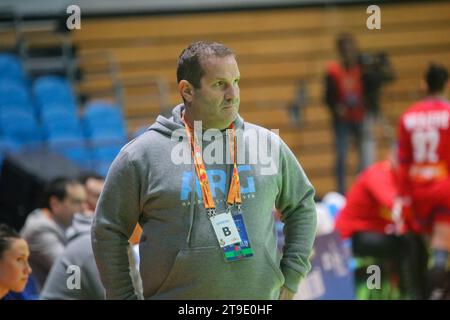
[[222, 125], [227, 117], [230, 113]]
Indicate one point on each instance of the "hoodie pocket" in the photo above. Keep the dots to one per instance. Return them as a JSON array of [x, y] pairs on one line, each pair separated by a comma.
[[189, 263], [203, 273]]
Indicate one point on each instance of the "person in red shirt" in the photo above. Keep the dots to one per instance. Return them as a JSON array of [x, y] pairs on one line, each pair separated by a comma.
[[369, 202], [344, 98], [367, 219], [352, 94], [424, 179]]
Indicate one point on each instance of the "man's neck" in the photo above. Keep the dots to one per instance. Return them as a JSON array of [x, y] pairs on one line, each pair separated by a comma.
[[187, 115], [437, 95]]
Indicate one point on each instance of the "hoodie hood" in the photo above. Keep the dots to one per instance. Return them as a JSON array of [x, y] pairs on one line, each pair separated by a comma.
[[81, 224], [166, 126]]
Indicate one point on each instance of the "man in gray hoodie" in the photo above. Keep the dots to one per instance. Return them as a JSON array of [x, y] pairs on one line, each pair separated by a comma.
[[64, 282], [45, 228], [194, 198]]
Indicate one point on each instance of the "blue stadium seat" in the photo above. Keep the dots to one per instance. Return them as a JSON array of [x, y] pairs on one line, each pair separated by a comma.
[[6, 108], [73, 146], [106, 153], [60, 120], [21, 127], [60, 136], [56, 107], [101, 118], [49, 91], [8, 145], [102, 157], [105, 128], [13, 93], [11, 68], [107, 137]]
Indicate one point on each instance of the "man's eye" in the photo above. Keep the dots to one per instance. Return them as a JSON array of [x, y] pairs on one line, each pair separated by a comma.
[[219, 84]]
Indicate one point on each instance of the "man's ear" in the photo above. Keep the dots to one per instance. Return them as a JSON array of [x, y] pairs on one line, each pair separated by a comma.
[[54, 204], [186, 90]]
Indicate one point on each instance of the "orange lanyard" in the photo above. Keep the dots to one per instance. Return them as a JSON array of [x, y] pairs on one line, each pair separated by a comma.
[[234, 194]]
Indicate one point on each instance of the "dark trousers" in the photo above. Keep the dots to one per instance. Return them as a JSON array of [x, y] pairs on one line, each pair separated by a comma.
[[343, 132], [405, 255]]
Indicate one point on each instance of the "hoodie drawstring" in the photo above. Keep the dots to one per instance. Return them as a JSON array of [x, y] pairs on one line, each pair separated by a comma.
[[191, 206]]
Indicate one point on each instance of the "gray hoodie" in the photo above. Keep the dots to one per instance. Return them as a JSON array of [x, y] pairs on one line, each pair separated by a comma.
[[180, 257], [61, 283]]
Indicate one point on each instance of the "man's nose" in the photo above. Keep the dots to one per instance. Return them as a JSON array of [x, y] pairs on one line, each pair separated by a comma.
[[232, 93], [28, 269]]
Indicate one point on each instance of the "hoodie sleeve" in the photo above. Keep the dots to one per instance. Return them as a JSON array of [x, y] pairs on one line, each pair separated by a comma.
[[116, 216], [295, 201]]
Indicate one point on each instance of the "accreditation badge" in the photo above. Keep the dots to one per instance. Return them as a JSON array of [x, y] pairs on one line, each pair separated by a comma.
[[242, 249], [225, 229]]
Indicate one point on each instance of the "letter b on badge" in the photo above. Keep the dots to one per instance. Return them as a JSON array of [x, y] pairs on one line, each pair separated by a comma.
[[226, 231]]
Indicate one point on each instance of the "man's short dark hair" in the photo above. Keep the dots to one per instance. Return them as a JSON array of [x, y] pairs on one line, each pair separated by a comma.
[[436, 78], [6, 235], [57, 188], [189, 62]]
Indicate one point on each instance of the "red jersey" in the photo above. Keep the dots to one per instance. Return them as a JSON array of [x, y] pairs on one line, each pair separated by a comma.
[[424, 159], [369, 202], [424, 144], [349, 90]]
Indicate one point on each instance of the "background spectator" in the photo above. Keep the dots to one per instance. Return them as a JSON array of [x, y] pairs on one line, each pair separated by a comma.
[[14, 267], [45, 228], [424, 158], [352, 89], [367, 219]]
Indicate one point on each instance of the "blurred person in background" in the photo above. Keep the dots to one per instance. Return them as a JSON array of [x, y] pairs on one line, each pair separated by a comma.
[[14, 267], [368, 220], [352, 89], [424, 184], [93, 184], [45, 228], [78, 252], [369, 202]]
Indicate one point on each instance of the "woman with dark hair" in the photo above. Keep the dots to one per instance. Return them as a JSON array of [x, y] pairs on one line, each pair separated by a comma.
[[14, 267]]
